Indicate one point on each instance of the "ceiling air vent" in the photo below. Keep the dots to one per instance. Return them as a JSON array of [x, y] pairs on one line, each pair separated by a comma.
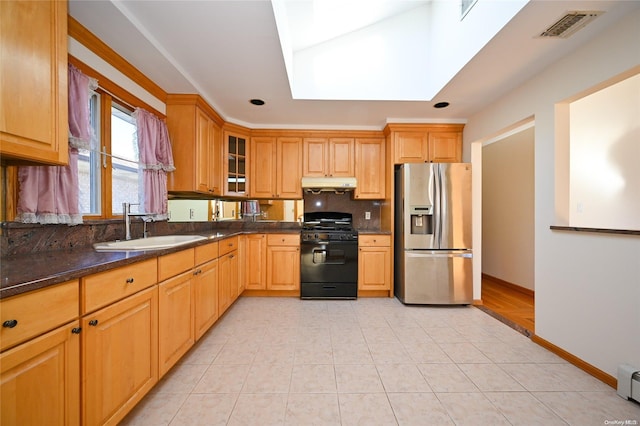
[[570, 23]]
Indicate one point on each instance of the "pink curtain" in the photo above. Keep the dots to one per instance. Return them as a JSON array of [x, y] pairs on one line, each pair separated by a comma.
[[156, 160], [49, 194]]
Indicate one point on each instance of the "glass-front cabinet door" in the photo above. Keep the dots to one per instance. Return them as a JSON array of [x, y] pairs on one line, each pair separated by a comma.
[[236, 163]]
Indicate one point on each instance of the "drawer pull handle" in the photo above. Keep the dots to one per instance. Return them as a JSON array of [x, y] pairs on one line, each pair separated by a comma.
[[93, 322], [10, 323], [197, 272], [76, 330], [129, 280]]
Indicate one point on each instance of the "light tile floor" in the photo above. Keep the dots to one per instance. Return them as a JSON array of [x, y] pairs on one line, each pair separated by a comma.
[[285, 361]]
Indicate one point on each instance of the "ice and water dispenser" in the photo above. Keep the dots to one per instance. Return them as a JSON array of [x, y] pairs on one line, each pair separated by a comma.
[[421, 220]]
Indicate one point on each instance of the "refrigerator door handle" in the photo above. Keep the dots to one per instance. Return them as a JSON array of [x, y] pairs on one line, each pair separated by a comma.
[[437, 215]]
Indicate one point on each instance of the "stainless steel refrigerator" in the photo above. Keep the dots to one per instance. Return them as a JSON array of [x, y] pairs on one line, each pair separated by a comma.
[[432, 238]]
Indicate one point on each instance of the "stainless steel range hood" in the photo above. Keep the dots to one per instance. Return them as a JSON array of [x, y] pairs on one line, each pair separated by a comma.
[[328, 184]]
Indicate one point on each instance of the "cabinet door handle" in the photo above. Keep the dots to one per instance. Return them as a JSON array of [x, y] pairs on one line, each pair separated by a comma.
[[129, 280], [76, 330], [10, 323], [93, 322]]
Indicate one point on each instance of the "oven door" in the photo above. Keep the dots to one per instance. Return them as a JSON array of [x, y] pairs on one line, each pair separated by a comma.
[[329, 269]]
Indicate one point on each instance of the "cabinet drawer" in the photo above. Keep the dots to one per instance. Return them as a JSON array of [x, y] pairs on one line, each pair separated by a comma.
[[283, 239], [36, 312], [206, 253], [228, 245], [374, 240], [173, 264], [100, 289]]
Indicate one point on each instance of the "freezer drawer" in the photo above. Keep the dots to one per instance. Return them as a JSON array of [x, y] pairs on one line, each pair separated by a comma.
[[432, 277]]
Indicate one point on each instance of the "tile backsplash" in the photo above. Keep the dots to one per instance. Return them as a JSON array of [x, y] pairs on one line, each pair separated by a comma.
[[344, 203], [19, 238]]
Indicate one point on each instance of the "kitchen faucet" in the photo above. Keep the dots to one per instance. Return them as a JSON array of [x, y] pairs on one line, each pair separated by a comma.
[[146, 218]]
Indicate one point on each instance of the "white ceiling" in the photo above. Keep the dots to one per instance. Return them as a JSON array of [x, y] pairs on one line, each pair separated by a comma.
[[229, 52]]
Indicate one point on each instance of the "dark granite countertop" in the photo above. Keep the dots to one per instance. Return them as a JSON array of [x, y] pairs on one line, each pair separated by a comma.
[[27, 272], [373, 232]]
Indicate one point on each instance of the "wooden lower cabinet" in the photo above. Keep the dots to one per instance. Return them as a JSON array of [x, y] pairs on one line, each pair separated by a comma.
[[374, 262], [37, 312], [256, 262], [176, 331], [227, 280], [205, 297], [283, 262], [40, 380], [119, 357]]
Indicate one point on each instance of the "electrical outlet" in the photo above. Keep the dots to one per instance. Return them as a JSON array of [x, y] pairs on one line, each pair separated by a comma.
[[367, 215]]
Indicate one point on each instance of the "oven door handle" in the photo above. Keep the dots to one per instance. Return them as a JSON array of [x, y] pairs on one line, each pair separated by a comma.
[[319, 255]]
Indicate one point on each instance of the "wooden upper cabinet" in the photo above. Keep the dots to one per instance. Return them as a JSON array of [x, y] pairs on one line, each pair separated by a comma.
[[370, 165], [276, 167], [411, 147], [263, 167], [328, 157], [235, 161], [315, 157], [289, 168], [195, 132], [418, 143], [33, 87], [445, 147], [341, 157]]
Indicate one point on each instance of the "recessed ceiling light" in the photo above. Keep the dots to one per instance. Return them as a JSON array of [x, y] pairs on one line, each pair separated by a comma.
[[441, 105], [257, 102]]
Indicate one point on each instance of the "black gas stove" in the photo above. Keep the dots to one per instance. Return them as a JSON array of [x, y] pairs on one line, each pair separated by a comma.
[[329, 256], [328, 226]]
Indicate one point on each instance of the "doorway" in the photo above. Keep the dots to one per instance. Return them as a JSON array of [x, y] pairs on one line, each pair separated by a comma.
[[508, 228]]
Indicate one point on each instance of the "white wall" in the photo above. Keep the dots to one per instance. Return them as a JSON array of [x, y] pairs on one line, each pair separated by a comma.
[[604, 137], [587, 284], [508, 209], [94, 61]]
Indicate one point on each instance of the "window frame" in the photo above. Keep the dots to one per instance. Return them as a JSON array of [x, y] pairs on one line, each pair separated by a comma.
[[105, 151], [109, 92]]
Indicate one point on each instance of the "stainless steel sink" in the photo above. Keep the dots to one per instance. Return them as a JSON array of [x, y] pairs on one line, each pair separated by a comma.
[[151, 243]]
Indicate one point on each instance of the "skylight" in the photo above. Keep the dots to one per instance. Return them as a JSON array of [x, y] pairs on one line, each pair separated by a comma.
[[401, 50]]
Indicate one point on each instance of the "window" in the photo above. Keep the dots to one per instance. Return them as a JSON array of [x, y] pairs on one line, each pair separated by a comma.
[[108, 174], [124, 161], [89, 175]]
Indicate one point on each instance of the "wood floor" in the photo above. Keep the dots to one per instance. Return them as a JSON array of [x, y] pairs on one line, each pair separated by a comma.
[[514, 305]]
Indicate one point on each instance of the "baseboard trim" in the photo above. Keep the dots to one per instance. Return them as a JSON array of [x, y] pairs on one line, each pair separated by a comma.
[[583, 365], [271, 293], [374, 293], [507, 284]]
